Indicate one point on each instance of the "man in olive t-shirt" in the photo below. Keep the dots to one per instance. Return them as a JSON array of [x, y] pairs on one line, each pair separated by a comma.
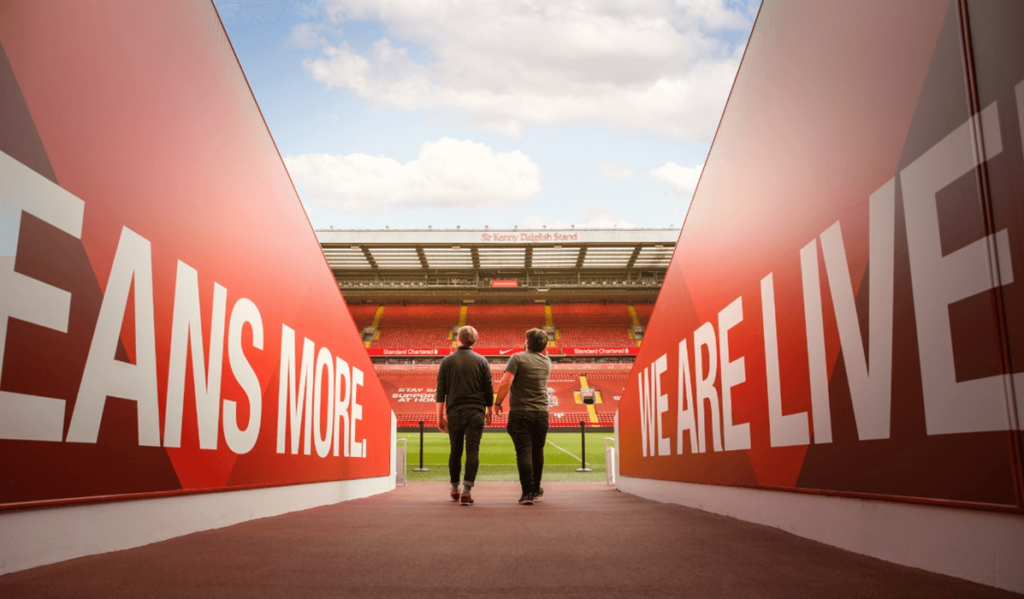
[[527, 377]]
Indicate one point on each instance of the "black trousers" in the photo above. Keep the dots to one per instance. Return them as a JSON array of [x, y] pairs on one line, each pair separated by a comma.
[[529, 432], [465, 425]]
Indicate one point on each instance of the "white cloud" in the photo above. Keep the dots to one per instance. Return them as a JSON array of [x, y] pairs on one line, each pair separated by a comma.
[[614, 172], [447, 173], [652, 66], [683, 179], [307, 35]]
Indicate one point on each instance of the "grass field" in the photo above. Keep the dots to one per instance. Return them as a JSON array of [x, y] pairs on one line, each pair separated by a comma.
[[498, 457]]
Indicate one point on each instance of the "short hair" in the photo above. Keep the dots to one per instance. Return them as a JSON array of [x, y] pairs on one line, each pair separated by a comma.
[[536, 340], [468, 336]]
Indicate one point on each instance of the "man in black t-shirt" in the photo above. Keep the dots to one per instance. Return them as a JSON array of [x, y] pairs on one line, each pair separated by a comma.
[[464, 386], [527, 377]]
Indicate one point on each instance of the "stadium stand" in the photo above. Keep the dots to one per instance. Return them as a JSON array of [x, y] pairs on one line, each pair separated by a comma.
[[644, 311], [416, 285], [416, 325], [411, 390], [614, 379], [427, 325], [592, 324], [363, 314], [504, 325]]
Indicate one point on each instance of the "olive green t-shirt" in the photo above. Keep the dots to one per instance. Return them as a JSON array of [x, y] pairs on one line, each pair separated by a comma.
[[529, 390]]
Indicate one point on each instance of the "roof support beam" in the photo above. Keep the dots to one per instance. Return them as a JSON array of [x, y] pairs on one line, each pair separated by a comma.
[[528, 257], [632, 259], [369, 256], [581, 257]]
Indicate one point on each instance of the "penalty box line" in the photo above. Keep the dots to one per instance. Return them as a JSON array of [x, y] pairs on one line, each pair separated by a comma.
[[566, 451]]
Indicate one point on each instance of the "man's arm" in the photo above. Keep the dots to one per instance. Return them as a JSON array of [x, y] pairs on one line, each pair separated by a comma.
[[439, 398], [503, 387], [442, 422], [487, 384], [488, 388]]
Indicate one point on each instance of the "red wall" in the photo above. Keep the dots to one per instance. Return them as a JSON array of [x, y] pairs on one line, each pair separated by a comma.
[[148, 221], [848, 287]]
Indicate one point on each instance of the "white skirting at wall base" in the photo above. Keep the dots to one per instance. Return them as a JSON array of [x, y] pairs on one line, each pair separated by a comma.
[[35, 537], [984, 547], [40, 536]]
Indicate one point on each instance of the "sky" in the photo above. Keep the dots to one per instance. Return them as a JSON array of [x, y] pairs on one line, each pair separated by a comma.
[[503, 114]]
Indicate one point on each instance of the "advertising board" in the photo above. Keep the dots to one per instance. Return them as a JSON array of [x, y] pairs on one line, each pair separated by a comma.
[[400, 352], [501, 351], [504, 282], [600, 351]]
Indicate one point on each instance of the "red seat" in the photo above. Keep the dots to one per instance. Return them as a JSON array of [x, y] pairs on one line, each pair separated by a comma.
[[592, 324], [362, 314], [643, 312], [416, 325], [504, 325]]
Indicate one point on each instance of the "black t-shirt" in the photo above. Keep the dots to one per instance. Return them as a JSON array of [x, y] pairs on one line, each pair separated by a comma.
[[464, 379]]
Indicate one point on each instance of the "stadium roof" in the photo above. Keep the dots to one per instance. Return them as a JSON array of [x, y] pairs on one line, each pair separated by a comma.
[[475, 250]]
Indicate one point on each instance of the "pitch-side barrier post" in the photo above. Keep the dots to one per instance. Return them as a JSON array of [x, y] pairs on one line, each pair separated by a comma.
[[609, 459], [421, 468], [583, 445], [401, 457]]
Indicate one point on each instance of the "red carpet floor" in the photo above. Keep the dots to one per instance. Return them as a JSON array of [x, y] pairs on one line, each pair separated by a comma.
[[582, 540]]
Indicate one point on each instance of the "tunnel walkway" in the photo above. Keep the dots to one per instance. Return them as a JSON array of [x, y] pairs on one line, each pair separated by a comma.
[[581, 540]]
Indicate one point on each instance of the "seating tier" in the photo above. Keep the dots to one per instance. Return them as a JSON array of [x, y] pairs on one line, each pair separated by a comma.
[[504, 325], [416, 325], [643, 312], [362, 314]]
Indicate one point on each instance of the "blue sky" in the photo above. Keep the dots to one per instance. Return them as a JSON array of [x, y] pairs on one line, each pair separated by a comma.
[[528, 114]]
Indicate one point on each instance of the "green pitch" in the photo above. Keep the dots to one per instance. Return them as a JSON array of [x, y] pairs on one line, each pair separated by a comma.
[[498, 457]]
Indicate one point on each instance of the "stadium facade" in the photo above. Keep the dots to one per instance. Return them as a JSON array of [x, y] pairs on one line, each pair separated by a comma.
[[508, 265]]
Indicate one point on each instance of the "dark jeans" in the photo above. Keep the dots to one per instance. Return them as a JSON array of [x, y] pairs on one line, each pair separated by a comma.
[[529, 432], [465, 424]]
